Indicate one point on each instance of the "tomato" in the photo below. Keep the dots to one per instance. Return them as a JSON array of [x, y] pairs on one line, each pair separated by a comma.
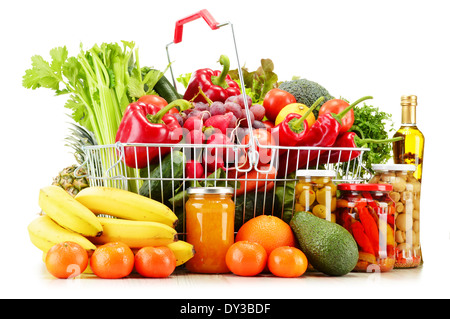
[[336, 106], [275, 100], [269, 125], [264, 138], [156, 100], [297, 108]]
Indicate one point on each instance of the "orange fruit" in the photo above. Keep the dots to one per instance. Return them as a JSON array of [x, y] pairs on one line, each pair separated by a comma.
[[267, 230], [66, 260], [155, 262], [112, 261], [287, 262], [246, 258]]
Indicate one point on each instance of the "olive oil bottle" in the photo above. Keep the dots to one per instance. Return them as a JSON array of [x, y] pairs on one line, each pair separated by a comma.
[[410, 149]]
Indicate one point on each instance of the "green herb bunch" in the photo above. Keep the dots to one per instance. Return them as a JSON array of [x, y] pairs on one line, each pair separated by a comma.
[[371, 123]]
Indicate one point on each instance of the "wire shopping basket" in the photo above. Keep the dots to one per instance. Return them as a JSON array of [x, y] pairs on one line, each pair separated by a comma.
[[263, 176]]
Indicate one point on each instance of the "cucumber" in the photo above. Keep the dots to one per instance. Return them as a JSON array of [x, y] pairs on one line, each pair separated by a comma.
[[161, 190], [166, 90]]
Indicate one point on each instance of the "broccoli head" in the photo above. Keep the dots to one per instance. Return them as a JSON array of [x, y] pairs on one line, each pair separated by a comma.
[[306, 91]]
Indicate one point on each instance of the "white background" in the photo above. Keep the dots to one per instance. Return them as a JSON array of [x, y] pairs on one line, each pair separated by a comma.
[[354, 48]]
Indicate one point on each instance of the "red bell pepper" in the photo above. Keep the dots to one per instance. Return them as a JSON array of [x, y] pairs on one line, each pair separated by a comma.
[[157, 101], [216, 85], [147, 123], [349, 139]]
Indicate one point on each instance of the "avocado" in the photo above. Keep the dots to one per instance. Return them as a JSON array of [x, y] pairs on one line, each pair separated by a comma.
[[329, 247]]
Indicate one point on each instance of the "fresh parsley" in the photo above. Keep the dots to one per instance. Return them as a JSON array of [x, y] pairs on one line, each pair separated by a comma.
[[371, 123]]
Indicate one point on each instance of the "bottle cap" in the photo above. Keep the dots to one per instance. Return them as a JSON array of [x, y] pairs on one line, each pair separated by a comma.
[[210, 190], [315, 173], [394, 167], [408, 103], [366, 187], [407, 100]]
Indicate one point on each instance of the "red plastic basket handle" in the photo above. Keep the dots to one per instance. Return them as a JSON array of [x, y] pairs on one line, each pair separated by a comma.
[[201, 14]]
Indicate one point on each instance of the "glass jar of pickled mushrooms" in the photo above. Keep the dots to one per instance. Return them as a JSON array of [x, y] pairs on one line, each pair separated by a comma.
[[406, 197]]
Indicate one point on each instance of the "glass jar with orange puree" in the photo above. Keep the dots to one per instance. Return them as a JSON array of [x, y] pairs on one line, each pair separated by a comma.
[[209, 227]]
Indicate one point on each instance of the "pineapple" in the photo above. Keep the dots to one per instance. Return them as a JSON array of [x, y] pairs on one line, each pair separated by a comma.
[[70, 181], [73, 178]]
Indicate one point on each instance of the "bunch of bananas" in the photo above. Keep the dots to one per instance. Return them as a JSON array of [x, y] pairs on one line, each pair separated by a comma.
[[133, 219]]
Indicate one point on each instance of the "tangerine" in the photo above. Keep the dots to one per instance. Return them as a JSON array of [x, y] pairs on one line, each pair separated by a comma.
[[267, 230], [287, 262], [112, 260], [246, 258], [155, 262], [66, 260]]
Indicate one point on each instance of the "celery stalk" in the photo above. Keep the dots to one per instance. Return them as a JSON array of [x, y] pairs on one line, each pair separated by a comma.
[[101, 82]]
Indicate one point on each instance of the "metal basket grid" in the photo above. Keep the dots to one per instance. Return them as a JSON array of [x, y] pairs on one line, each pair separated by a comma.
[[273, 195]]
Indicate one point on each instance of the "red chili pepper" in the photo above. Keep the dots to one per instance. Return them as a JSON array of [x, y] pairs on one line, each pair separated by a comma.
[[370, 228], [391, 216], [373, 213], [361, 237], [346, 220], [293, 129], [369, 199], [323, 133], [217, 85], [147, 123], [349, 139]]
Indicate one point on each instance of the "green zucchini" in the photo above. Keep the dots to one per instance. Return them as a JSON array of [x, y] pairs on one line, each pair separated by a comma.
[[171, 167], [166, 90]]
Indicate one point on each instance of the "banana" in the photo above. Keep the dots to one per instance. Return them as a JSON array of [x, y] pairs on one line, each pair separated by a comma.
[[45, 233], [68, 212], [126, 205], [134, 233], [183, 251]]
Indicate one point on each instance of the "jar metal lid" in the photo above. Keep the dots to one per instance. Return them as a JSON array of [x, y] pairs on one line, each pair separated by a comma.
[[210, 190], [366, 187], [315, 172], [394, 167]]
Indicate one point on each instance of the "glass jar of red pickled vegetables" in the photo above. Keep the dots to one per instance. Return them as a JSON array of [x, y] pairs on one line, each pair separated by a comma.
[[368, 213]]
